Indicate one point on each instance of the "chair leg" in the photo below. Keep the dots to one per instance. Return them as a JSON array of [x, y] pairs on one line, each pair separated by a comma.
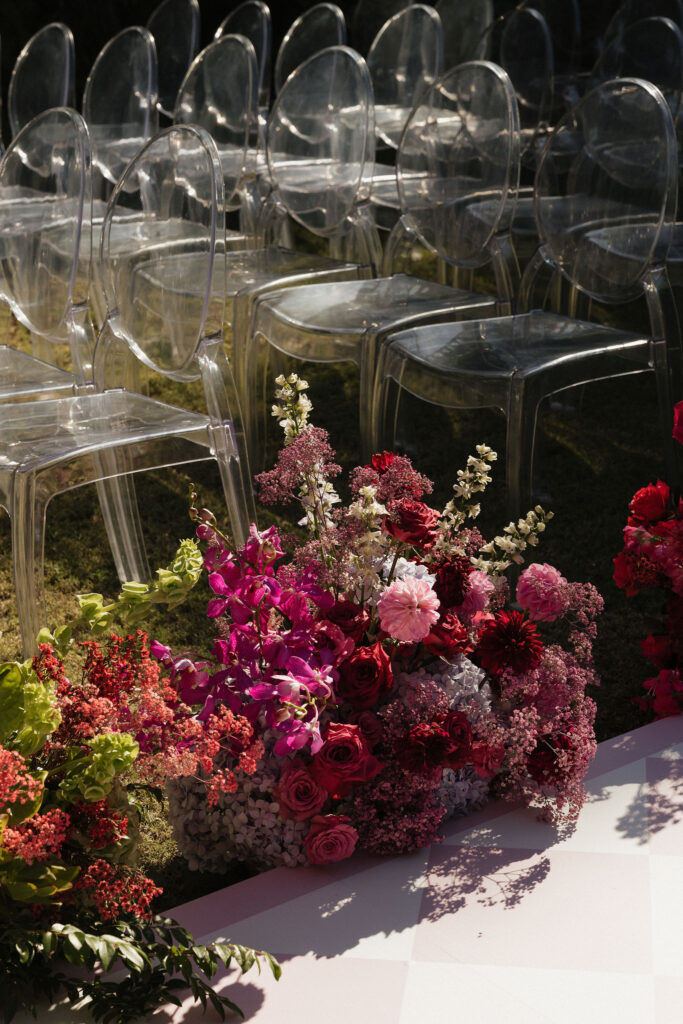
[[521, 430], [116, 492], [28, 544]]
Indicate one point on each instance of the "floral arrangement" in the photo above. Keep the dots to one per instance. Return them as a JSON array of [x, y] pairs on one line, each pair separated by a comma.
[[652, 557], [384, 672], [70, 755]]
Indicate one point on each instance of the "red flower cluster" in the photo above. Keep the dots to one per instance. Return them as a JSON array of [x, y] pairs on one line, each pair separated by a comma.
[[653, 557], [509, 641], [115, 891]]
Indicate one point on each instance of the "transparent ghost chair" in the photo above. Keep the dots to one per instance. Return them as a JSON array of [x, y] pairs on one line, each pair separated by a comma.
[[219, 93], [563, 18], [43, 75], [651, 48], [319, 146], [174, 24], [463, 23], [317, 28], [56, 445], [120, 103], [631, 11], [367, 19], [45, 239], [405, 58], [458, 172], [605, 206], [252, 20]]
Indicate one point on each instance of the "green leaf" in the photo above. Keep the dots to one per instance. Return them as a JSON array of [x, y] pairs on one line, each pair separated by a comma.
[[274, 965]]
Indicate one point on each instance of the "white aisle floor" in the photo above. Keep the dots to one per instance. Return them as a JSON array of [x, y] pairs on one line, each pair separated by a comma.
[[506, 921]]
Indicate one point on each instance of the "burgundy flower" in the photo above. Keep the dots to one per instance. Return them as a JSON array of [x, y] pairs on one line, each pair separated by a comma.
[[299, 795], [649, 504], [542, 761], [350, 617], [448, 637], [453, 581], [678, 423], [633, 572], [412, 522], [509, 641], [343, 759], [457, 727], [369, 725], [658, 650], [487, 760], [425, 749], [365, 676], [381, 461]]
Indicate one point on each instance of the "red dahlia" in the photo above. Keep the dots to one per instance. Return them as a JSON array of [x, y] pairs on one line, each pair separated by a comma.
[[426, 747], [510, 641]]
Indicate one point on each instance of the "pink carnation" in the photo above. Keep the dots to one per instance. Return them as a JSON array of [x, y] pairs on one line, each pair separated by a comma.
[[477, 597], [408, 609], [541, 591]]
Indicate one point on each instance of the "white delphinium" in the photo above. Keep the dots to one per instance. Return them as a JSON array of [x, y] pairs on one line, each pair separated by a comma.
[[370, 549], [292, 405], [472, 480], [507, 547]]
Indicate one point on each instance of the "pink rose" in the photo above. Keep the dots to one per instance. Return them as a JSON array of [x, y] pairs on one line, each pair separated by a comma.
[[330, 838], [298, 793]]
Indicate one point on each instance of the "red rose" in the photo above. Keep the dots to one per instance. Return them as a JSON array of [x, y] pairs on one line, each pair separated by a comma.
[[330, 838], [667, 689], [365, 676], [542, 763], [381, 461], [649, 504], [453, 581], [448, 637], [351, 619], [657, 649], [343, 759], [412, 522], [457, 727], [487, 760], [678, 422], [369, 725], [299, 795]]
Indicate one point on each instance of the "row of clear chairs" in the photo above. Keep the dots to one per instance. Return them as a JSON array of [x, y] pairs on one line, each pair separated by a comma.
[[157, 290]]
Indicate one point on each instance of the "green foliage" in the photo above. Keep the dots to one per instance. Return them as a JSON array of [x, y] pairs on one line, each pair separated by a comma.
[[90, 776], [160, 957], [28, 713]]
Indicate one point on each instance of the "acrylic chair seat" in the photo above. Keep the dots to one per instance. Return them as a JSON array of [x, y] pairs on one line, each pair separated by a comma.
[[439, 193], [23, 376], [605, 206], [50, 447]]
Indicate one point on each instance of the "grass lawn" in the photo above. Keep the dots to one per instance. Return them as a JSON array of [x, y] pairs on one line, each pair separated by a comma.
[[593, 451]]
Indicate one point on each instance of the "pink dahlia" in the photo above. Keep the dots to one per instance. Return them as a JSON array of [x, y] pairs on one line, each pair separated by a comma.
[[541, 591], [408, 609], [477, 597]]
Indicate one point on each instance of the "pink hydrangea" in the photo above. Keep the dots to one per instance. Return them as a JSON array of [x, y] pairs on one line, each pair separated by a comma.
[[541, 591], [408, 609]]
